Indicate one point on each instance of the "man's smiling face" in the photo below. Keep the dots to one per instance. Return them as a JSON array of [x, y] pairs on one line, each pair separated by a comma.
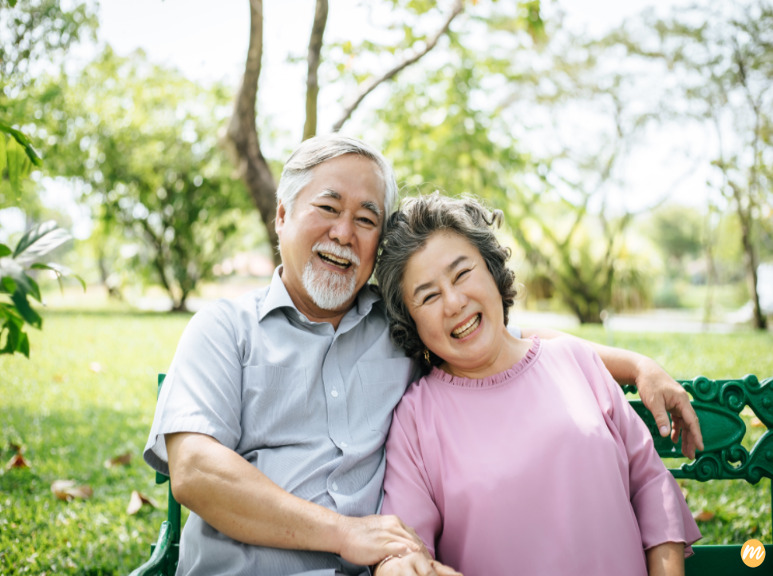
[[328, 241]]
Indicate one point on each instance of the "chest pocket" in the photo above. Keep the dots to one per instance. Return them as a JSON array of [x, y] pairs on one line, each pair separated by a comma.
[[382, 383], [275, 403]]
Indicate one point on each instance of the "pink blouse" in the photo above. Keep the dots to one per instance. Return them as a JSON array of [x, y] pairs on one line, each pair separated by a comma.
[[542, 469]]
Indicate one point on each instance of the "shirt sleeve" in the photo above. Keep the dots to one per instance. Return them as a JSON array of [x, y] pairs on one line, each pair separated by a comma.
[[407, 489], [657, 500], [202, 391]]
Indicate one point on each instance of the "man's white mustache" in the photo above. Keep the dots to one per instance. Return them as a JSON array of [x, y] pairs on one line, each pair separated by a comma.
[[338, 251]]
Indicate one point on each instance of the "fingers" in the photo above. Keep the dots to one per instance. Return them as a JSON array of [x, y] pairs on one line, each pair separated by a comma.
[[416, 564], [658, 408], [687, 425], [443, 570]]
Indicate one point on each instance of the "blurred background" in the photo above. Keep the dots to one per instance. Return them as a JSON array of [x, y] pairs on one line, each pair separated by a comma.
[[629, 145]]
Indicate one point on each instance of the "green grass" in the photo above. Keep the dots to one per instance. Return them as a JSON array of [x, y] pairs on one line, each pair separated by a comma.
[[71, 418], [87, 395]]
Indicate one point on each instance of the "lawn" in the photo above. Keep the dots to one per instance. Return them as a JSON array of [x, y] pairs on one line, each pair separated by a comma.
[[87, 396]]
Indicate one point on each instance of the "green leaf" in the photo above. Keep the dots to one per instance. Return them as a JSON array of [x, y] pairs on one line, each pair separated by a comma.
[[12, 337], [61, 272], [3, 152], [23, 344], [28, 286], [23, 141], [8, 284], [25, 310], [4, 250], [39, 241]]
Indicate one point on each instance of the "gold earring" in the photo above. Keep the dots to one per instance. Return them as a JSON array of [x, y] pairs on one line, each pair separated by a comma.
[[426, 356]]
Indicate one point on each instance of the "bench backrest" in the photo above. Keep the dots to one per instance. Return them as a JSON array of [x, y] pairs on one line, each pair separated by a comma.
[[718, 404]]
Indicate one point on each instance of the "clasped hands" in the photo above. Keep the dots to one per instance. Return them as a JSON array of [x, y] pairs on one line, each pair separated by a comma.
[[392, 546]]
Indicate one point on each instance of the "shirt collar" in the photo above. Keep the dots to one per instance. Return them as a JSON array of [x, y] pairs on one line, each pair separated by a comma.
[[278, 297]]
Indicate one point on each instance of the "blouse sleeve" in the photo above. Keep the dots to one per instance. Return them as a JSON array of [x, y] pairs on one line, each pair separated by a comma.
[[407, 489], [657, 500]]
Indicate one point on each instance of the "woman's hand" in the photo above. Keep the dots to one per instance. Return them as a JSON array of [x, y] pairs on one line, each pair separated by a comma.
[[415, 564], [660, 394], [666, 559]]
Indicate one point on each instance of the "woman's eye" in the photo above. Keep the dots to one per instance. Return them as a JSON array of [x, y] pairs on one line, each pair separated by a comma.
[[462, 274], [428, 298]]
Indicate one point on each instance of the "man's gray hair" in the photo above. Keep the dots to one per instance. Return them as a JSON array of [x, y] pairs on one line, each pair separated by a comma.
[[297, 171]]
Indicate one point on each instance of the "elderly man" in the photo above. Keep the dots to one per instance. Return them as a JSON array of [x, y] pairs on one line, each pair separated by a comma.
[[273, 416]]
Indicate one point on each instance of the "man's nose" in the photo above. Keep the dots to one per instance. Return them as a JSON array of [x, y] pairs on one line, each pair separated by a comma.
[[342, 231]]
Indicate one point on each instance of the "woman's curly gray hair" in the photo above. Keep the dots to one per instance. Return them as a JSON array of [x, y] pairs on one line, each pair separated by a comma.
[[407, 232]]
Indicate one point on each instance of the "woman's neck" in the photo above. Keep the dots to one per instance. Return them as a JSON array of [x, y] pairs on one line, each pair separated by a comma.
[[509, 353]]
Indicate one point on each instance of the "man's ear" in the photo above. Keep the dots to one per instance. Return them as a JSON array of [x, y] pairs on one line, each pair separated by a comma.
[[281, 214]]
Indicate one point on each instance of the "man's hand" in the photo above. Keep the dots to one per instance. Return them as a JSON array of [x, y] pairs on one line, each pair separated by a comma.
[[416, 564], [370, 539], [660, 394]]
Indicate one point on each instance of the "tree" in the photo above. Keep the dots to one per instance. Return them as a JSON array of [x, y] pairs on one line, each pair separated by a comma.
[[721, 56], [498, 124], [242, 128], [38, 31], [143, 140]]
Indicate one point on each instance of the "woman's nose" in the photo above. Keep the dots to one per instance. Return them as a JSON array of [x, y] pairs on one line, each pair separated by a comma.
[[455, 301]]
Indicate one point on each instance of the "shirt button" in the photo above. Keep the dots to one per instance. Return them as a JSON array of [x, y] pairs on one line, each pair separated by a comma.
[[335, 486], [334, 393]]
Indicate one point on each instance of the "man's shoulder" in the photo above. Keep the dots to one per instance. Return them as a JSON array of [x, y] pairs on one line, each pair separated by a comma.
[[231, 310]]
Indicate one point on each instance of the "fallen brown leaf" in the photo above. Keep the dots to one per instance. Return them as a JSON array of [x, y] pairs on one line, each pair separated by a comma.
[[704, 516], [137, 501], [68, 490], [17, 461], [120, 460]]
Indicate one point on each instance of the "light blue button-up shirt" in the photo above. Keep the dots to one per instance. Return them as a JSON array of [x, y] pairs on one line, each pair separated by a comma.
[[308, 405]]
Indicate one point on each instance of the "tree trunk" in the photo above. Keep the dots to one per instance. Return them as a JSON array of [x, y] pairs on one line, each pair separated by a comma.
[[750, 257], [243, 132], [312, 78]]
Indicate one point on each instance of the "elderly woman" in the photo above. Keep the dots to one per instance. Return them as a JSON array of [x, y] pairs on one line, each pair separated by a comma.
[[510, 455]]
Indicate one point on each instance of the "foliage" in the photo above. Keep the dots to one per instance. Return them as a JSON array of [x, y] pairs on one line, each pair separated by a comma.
[[143, 140], [17, 286], [720, 55], [464, 130], [95, 379], [36, 32]]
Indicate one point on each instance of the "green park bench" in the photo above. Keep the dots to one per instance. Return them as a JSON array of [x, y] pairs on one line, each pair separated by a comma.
[[718, 404]]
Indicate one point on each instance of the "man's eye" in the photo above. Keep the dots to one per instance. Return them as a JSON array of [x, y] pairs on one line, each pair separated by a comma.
[[326, 208], [367, 221]]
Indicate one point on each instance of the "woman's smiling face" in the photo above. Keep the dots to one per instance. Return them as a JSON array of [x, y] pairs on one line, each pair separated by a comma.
[[454, 300]]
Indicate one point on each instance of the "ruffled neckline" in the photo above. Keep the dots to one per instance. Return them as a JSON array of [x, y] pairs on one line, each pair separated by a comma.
[[495, 379]]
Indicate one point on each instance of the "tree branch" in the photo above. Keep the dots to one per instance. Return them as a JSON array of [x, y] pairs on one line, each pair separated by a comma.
[[374, 82], [312, 79]]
